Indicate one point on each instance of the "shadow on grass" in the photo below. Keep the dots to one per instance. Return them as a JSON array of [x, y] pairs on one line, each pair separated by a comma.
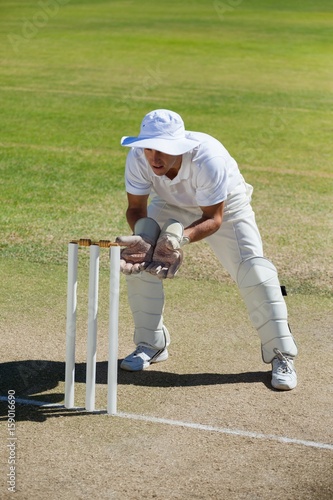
[[32, 379]]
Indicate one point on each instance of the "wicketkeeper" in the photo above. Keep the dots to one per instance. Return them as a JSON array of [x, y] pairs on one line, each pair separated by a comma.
[[196, 192]]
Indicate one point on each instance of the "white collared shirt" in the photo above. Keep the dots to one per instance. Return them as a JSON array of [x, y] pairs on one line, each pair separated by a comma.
[[207, 175]]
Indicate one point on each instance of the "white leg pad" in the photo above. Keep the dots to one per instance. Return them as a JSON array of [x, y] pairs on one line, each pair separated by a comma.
[[146, 300], [260, 288]]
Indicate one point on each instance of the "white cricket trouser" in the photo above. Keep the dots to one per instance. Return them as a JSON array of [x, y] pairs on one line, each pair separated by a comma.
[[237, 240], [238, 237]]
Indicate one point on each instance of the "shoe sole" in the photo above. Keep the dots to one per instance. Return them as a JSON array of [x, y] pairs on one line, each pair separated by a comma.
[[284, 387], [129, 368]]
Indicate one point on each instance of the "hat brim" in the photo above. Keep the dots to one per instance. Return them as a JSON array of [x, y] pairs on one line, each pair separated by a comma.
[[169, 146]]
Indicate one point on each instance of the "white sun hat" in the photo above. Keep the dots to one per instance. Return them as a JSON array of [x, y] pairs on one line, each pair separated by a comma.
[[162, 130]]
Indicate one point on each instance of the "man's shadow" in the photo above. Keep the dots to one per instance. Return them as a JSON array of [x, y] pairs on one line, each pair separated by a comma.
[[32, 379]]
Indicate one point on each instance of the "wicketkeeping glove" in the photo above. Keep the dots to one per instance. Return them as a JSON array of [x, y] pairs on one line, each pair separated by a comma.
[[139, 249], [168, 255]]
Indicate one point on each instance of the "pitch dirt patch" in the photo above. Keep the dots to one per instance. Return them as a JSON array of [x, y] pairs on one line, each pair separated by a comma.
[[214, 377]]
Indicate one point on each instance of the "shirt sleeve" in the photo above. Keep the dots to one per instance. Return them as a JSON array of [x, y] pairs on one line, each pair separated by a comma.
[[136, 175], [212, 187]]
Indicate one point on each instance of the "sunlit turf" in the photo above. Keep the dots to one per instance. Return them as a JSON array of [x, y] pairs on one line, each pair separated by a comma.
[[256, 75]]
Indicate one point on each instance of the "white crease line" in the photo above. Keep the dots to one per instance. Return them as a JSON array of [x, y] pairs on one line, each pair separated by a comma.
[[189, 425], [221, 430]]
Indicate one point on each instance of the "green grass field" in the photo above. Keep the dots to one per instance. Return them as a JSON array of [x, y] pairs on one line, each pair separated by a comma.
[[77, 75]]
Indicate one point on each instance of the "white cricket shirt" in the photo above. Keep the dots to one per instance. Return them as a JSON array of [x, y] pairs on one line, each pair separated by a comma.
[[207, 175]]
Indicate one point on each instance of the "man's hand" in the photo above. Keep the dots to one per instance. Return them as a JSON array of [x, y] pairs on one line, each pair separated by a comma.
[[137, 254], [168, 255], [140, 247]]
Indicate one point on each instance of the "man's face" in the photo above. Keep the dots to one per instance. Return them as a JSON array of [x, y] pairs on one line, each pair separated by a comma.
[[162, 163]]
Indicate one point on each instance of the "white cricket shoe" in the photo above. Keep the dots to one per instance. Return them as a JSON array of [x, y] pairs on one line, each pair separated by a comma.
[[283, 372], [142, 357]]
